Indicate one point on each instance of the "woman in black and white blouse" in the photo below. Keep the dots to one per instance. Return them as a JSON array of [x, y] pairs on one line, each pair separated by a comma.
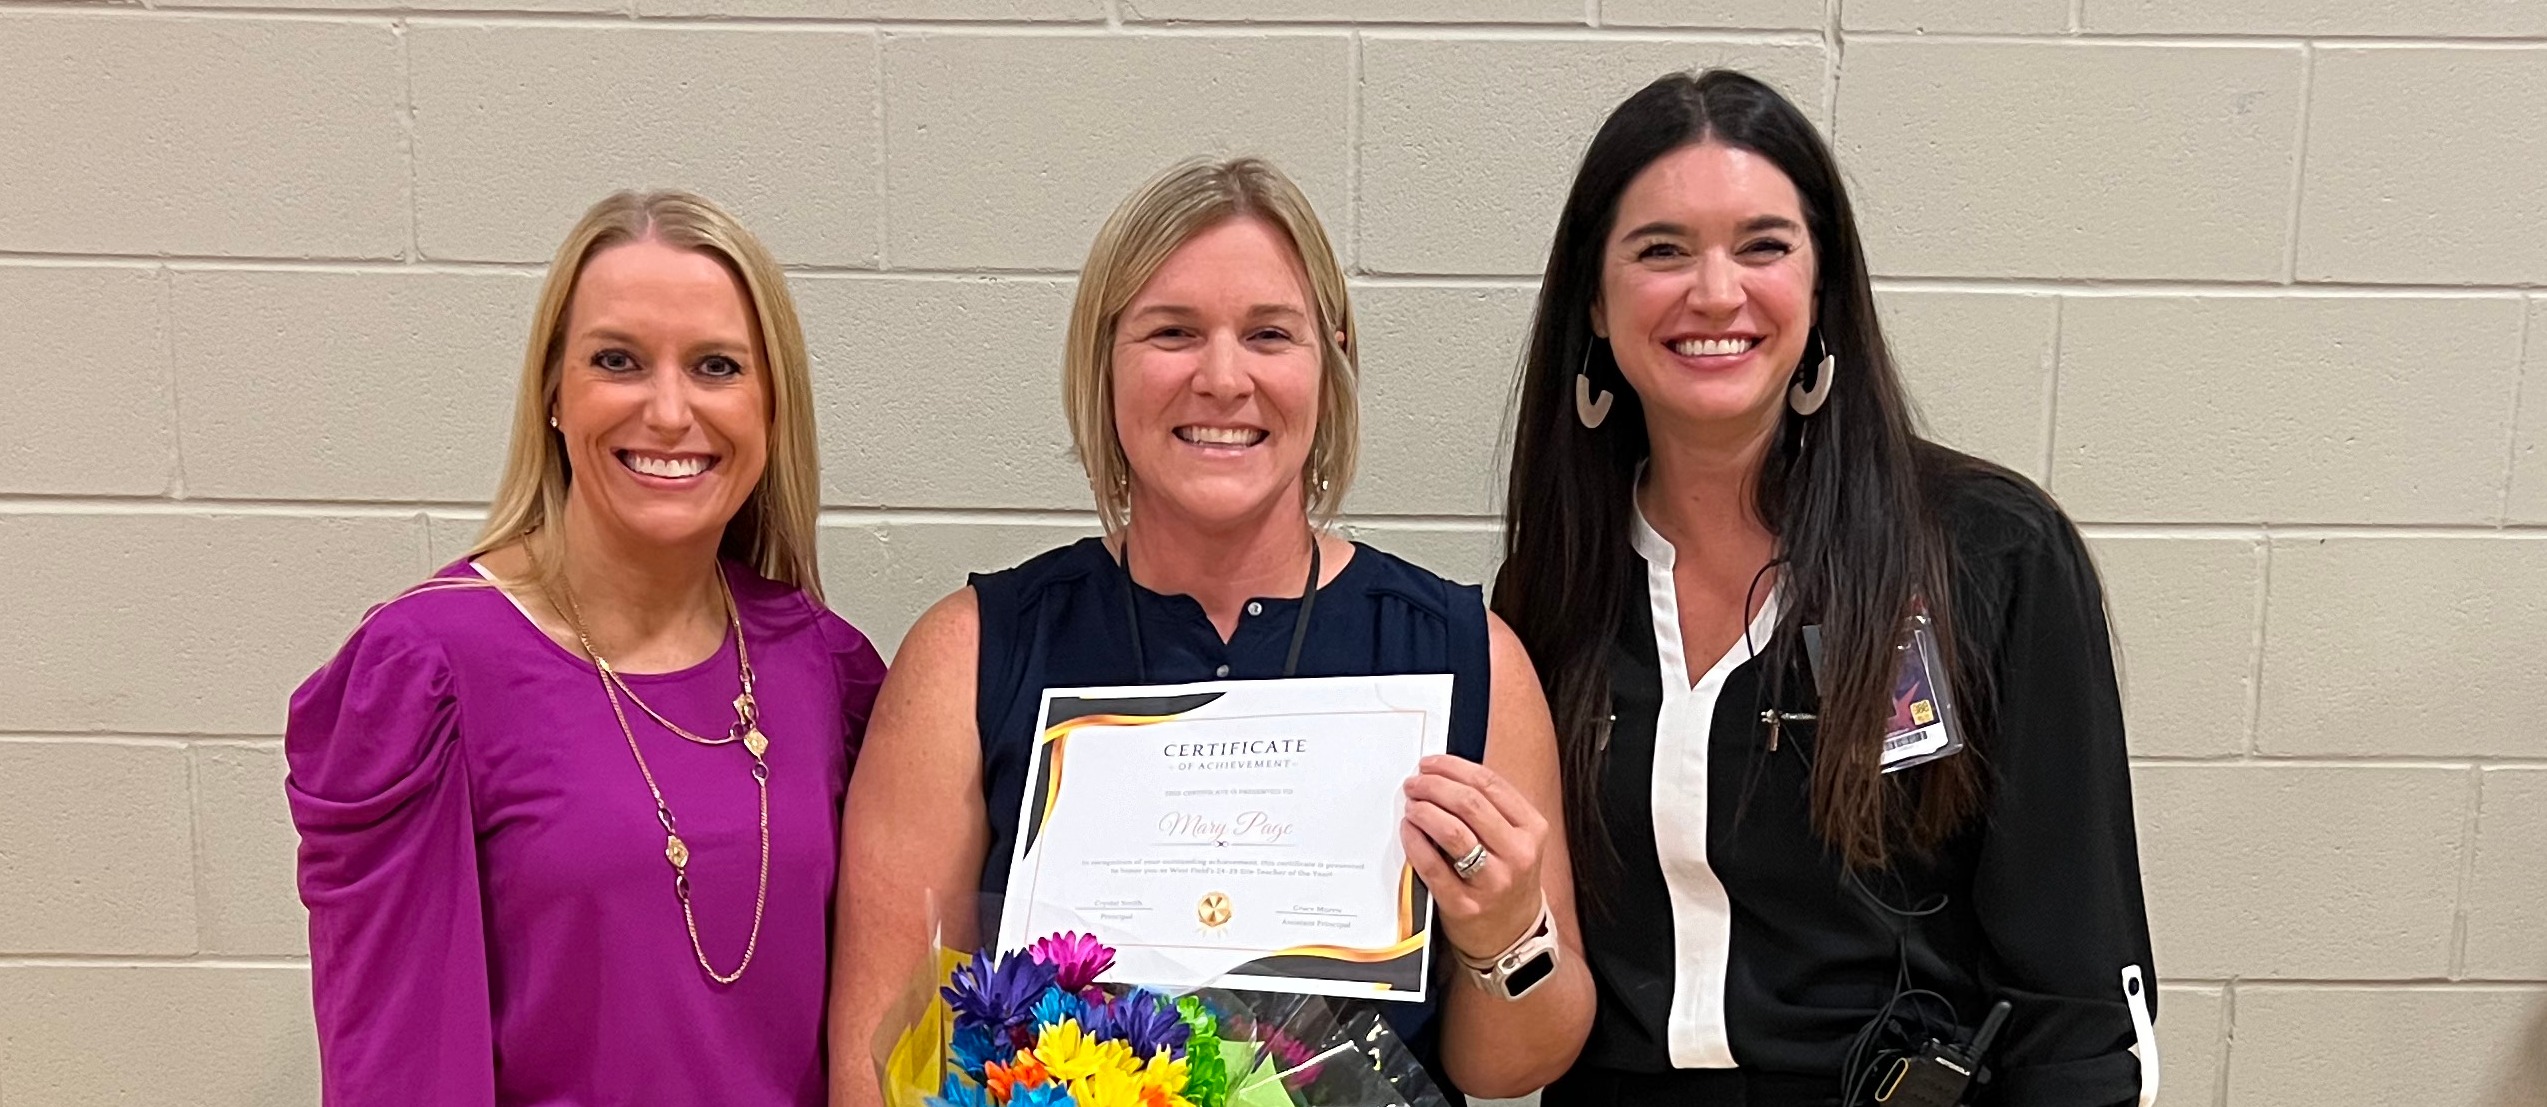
[[1722, 523]]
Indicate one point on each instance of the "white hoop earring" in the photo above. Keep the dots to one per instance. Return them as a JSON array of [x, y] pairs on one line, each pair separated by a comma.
[[1807, 398], [1591, 411]]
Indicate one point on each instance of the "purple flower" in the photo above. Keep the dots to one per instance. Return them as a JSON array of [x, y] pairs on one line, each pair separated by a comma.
[[1146, 1021], [1076, 959], [997, 996]]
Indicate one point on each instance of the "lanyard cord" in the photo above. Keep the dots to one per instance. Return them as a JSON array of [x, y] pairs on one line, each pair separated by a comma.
[[1299, 623]]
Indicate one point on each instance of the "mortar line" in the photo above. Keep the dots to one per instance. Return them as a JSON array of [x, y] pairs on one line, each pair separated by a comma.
[[2299, 164], [2077, 17], [176, 484], [1591, 13], [2052, 391], [2257, 531], [858, 513], [426, 563], [2228, 1046], [2254, 721], [2213, 39], [2344, 761], [140, 739], [1114, 24], [194, 843], [2415, 984], [2103, 288], [2520, 397], [28, 259], [2469, 828], [151, 961], [407, 134], [621, 18], [1834, 62], [884, 160], [1353, 156]]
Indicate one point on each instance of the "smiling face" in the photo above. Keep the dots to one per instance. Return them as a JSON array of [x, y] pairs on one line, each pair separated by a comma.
[[1216, 370], [1707, 290], [663, 398]]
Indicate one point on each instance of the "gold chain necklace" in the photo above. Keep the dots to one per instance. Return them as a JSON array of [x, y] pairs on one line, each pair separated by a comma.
[[746, 729]]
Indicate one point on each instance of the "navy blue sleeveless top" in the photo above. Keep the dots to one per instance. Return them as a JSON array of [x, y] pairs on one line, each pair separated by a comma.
[[1057, 621]]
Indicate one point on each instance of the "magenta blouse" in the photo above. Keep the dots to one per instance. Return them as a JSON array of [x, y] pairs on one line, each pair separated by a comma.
[[492, 919]]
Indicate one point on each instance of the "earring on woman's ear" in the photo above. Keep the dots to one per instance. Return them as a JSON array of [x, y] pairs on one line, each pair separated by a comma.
[[1806, 396], [552, 422], [1587, 409]]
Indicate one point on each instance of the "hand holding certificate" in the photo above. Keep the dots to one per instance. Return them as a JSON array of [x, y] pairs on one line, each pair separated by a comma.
[[1240, 833]]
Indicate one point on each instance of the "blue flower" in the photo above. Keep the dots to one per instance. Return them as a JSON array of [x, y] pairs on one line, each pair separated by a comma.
[[959, 1092], [997, 996], [1144, 1020], [1054, 1094], [1057, 1005], [974, 1047]]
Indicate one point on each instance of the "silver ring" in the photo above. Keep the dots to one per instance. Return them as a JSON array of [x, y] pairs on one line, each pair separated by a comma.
[[1470, 862]]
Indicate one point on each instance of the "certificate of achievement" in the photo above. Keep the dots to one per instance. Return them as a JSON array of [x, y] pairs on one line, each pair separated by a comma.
[[1238, 834]]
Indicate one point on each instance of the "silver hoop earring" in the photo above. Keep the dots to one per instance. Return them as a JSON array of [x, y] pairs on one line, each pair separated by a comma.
[[1591, 411], [1807, 397]]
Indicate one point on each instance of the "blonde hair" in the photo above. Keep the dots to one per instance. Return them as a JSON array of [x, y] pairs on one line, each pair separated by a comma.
[[1191, 197], [773, 533]]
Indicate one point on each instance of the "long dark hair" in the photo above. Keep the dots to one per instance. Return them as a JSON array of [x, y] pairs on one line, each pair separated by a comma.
[[1841, 490]]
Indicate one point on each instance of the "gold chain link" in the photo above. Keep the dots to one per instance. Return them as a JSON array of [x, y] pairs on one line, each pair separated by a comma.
[[746, 729]]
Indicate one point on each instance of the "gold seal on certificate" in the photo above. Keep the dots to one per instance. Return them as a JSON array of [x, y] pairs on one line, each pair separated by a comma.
[[1240, 834]]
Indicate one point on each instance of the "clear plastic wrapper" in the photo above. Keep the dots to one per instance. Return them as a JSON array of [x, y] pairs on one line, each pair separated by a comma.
[[1032, 1028]]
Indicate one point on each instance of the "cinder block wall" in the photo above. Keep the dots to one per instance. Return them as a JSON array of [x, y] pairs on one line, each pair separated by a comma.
[[2255, 288]]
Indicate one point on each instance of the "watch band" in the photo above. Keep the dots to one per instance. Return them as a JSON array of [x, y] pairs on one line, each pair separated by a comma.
[[1528, 962]]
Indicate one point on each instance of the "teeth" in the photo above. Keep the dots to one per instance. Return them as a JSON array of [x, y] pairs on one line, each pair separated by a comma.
[[675, 467], [1220, 436], [1712, 347]]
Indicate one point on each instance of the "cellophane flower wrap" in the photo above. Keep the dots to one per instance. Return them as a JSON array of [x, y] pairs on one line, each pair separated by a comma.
[[1034, 1028]]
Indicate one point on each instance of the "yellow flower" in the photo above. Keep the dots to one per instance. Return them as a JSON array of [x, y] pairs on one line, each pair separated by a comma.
[[1164, 1073], [1067, 1053], [1116, 1057], [1118, 1088]]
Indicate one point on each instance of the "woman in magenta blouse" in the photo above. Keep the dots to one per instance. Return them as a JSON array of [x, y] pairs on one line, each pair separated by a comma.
[[569, 809]]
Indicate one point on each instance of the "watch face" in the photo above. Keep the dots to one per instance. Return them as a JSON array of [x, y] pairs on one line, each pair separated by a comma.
[[1528, 974]]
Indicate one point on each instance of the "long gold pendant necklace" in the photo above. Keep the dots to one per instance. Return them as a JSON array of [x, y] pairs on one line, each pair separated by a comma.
[[746, 731]]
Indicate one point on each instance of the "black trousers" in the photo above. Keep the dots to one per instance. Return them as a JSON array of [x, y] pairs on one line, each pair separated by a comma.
[[1586, 1086]]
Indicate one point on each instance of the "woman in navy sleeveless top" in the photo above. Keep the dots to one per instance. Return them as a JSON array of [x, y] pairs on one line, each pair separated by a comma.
[[1057, 622], [1210, 385]]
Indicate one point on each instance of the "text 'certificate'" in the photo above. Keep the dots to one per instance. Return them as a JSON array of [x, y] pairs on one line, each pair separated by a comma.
[[1239, 834]]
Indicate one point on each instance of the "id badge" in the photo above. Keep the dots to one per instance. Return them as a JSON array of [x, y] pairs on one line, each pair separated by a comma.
[[1923, 726]]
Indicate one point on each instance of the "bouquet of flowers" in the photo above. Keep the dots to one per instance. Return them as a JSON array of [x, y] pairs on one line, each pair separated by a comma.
[[1033, 1028]]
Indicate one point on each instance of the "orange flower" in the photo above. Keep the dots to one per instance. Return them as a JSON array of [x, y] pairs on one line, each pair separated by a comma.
[[1004, 1080]]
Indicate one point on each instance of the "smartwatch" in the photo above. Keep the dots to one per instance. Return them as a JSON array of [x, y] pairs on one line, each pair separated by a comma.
[[1522, 966]]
